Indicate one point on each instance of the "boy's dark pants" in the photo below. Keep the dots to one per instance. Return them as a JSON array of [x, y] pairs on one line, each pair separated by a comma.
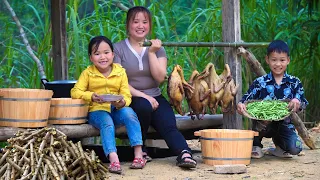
[[162, 119], [283, 134]]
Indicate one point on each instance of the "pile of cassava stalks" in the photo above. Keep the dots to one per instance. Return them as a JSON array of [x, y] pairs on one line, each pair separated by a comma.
[[46, 154]]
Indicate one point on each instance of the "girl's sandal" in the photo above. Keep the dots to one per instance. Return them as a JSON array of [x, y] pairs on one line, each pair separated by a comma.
[[138, 163], [115, 168]]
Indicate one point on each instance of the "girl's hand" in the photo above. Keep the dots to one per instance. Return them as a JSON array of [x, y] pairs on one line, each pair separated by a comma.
[[118, 104], [241, 108], [294, 105], [155, 45], [96, 98], [154, 103]]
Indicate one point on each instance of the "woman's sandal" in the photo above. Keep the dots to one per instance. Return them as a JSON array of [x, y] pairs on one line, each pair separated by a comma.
[[138, 163], [181, 162], [115, 168]]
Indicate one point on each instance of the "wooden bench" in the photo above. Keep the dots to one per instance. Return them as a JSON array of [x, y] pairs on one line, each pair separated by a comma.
[[184, 124]]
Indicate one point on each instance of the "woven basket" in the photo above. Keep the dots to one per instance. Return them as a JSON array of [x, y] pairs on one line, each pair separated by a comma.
[[246, 114]]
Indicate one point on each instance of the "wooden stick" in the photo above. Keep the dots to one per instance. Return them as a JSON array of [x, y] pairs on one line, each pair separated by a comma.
[[254, 64], [302, 131]]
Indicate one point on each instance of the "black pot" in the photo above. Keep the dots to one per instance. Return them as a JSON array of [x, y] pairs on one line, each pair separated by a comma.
[[61, 88]]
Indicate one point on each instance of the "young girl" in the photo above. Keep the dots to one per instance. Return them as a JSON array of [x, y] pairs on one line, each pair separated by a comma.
[[105, 77], [147, 68]]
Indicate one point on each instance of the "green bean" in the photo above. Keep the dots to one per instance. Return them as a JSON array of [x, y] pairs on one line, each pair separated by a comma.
[[268, 109]]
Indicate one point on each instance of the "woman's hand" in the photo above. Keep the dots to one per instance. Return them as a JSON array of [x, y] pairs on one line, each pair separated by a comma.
[[294, 105], [154, 103], [155, 45], [241, 108], [118, 104]]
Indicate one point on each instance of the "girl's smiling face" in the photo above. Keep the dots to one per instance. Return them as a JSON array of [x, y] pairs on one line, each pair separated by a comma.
[[102, 58], [139, 26], [278, 62]]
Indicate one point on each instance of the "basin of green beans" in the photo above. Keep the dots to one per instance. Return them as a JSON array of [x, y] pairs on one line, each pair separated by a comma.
[[271, 110]]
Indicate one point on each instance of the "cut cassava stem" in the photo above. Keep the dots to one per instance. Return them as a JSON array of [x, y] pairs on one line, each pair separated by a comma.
[[37, 168], [4, 157], [45, 173], [63, 141], [56, 161], [53, 171], [65, 170], [32, 157], [84, 162], [43, 143], [3, 169], [14, 165], [75, 163], [23, 156]]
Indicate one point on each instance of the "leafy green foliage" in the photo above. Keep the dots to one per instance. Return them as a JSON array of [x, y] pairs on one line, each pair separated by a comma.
[[296, 22]]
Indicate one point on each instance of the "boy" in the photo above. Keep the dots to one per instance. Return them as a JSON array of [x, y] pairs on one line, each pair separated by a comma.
[[277, 85]]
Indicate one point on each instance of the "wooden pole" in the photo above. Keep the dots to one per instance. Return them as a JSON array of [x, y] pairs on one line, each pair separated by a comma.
[[58, 20], [231, 33], [210, 44]]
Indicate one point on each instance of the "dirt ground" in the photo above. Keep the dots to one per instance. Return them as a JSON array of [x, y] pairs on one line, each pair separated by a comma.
[[305, 166]]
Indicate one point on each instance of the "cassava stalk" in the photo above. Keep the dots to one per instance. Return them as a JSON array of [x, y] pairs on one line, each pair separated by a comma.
[[32, 157], [3, 169], [84, 162], [37, 168], [65, 170], [53, 171], [14, 165], [45, 174], [4, 157], [56, 161]]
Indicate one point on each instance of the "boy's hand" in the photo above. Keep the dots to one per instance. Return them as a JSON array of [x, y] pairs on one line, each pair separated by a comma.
[[294, 105], [118, 104], [241, 108]]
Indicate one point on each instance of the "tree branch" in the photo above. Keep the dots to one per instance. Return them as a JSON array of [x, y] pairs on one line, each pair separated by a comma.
[[25, 40]]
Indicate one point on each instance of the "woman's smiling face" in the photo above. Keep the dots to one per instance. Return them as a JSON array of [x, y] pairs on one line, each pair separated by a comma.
[[139, 26]]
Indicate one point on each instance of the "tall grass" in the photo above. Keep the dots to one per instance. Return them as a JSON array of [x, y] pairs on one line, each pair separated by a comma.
[[296, 22]]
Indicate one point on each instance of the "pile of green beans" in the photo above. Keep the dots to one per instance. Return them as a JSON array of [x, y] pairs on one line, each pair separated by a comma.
[[271, 110]]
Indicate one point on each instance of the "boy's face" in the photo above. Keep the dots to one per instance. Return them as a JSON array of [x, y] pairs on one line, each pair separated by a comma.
[[278, 63]]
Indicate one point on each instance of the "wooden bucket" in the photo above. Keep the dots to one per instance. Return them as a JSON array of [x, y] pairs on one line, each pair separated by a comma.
[[68, 111], [226, 146], [21, 107]]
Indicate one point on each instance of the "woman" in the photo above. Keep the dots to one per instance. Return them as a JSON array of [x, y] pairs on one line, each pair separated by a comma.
[[146, 69]]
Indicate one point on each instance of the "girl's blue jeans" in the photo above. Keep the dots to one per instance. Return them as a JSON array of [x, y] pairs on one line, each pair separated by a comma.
[[283, 134], [107, 122]]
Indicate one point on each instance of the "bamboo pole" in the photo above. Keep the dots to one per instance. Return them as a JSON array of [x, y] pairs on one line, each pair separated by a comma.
[[210, 44]]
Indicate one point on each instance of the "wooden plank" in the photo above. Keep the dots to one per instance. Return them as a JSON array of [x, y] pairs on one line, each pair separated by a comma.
[[86, 130], [231, 33], [59, 36]]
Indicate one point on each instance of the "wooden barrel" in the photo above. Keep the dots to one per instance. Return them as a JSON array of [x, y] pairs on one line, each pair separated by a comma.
[[68, 111], [226, 146], [21, 107]]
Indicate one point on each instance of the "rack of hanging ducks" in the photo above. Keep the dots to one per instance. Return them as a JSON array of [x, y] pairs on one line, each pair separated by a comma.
[[205, 89]]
